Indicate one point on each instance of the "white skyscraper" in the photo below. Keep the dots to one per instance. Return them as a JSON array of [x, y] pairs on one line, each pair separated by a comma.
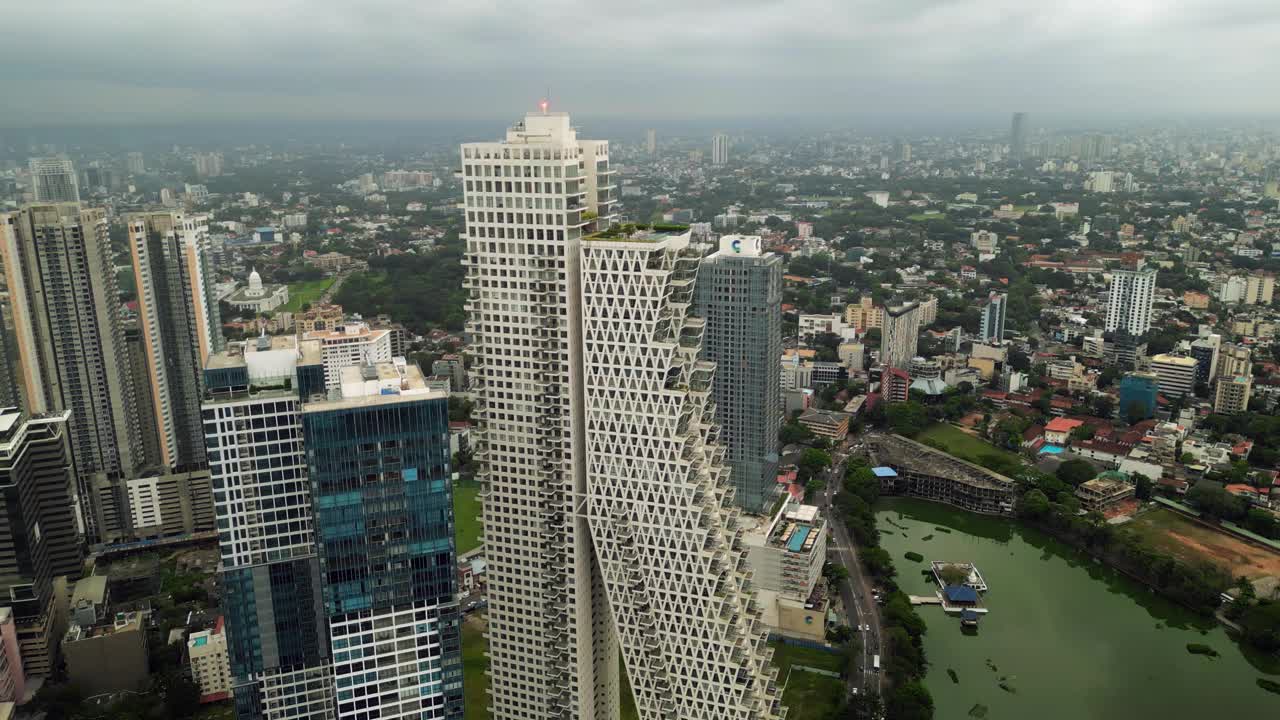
[[1129, 305], [651, 141], [900, 335], [719, 149], [54, 180], [603, 516]]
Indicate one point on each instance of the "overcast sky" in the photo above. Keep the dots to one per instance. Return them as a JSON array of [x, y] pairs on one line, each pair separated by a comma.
[[128, 61]]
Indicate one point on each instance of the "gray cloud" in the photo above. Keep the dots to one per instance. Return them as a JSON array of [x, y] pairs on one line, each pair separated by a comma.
[[144, 60]]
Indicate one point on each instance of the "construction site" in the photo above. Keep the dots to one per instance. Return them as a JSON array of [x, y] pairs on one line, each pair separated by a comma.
[[906, 467]]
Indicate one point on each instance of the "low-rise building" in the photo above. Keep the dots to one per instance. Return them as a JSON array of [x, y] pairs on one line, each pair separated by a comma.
[[110, 656], [1104, 491], [828, 424], [786, 554], [257, 297]]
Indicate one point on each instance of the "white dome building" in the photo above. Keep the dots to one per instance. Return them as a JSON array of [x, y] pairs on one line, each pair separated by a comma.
[[259, 298]]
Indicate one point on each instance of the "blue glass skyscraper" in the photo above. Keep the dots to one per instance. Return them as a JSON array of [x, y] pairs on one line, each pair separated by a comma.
[[381, 491]]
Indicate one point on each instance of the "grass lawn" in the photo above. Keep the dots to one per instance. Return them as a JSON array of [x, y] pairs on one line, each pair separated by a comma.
[[921, 217], [963, 445], [305, 292], [466, 515], [1190, 541], [810, 696], [475, 683], [784, 656]]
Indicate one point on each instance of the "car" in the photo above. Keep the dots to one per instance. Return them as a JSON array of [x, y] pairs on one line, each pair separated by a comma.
[[866, 628]]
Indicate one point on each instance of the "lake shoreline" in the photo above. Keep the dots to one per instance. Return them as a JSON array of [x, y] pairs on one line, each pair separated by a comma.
[[1054, 630]]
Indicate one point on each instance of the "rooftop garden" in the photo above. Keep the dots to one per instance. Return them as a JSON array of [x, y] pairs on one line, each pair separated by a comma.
[[629, 230]]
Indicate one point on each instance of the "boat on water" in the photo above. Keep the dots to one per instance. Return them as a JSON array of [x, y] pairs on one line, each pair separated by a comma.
[[969, 619]]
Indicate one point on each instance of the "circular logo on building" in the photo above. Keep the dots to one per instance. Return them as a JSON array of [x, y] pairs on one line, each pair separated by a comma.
[[736, 245]]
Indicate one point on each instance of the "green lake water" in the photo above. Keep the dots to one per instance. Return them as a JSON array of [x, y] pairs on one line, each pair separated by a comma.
[[1072, 639]]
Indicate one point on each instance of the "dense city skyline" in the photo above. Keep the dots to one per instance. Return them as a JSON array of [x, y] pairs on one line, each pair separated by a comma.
[[345, 378]]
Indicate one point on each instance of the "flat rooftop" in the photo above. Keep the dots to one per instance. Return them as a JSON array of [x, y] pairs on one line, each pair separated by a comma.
[[377, 384]]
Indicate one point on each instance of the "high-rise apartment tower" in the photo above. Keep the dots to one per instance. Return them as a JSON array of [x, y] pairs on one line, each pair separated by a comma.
[[72, 337], [719, 149], [1018, 137], [900, 335], [54, 180], [739, 298], [993, 315], [1129, 304], [604, 517], [180, 323]]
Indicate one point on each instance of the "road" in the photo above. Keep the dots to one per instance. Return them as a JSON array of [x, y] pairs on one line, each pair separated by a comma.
[[855, 592]]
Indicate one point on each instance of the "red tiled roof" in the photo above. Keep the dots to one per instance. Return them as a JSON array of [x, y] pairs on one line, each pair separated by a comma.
[[1062, 424]]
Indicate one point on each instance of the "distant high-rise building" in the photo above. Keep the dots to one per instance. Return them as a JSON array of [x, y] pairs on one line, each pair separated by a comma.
[[75, 339], [900, 335], [719, 149], [1138, 396], [606, 529], [180, 323], [1130, 301], [993, 315], [651, 141], [382, 500], [739, 297], [54, 180], [278, 639], [1231, 396], [1018, 137], [208, 164], [1101, 181], [134, 164]]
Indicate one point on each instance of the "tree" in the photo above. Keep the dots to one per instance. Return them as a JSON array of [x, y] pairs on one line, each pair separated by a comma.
[[910, 701], [1103, 406], [1074, 472], [812, 462], [1034, 504], [906, 418], [1142, 486], [1213, 499], [794, 432]]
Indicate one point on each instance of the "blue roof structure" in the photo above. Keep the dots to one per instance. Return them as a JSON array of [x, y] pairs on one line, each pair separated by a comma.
[[883, 472], [967, 614], [961, 593], [796, 543]]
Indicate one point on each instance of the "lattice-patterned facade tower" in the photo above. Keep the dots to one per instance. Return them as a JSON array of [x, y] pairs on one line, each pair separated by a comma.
[[667, 541], [557, 605]]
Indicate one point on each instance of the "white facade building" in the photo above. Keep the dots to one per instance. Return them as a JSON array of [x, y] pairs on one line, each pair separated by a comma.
[[352, 343], [1130, 301], [1175, 375], [54, 180], [985, 242], [258, 297], [589, 539], [900, 335], [719, 149], [210, 665]]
